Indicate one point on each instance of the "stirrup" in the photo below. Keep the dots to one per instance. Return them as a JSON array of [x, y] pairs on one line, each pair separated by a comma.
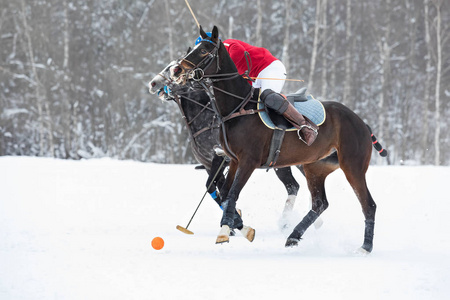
[[309, 127]]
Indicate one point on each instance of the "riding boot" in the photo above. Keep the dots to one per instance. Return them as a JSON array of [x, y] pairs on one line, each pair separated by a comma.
[[307, 131]]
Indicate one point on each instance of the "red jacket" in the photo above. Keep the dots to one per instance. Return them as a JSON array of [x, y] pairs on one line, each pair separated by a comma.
[[260, 58]]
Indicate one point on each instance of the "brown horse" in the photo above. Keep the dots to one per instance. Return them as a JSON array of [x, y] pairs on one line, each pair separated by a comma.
[[247, 140]]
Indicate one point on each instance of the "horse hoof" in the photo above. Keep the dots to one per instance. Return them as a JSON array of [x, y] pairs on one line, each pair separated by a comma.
[[366, 247], [232, 232], [222, 239], [239, 212], [224, 235], [248, 233], [291, 242], [362, 252]]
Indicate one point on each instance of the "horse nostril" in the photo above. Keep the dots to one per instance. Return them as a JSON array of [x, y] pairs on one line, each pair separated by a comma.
[[153, 83]]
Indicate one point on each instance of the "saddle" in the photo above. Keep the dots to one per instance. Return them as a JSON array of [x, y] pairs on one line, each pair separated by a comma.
[[305, 104]]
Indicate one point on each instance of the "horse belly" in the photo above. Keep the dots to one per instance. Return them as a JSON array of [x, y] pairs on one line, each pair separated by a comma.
[[296, 152]]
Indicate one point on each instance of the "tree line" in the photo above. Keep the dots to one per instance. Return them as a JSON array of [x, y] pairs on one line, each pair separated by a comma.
[[74, 74]]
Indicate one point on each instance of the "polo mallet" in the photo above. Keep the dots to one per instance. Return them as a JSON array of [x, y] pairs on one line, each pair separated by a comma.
[[185, 230], [192, 13]]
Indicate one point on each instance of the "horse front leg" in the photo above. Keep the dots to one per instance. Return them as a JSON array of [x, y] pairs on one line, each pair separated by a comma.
[[239, 179], [216, 178]]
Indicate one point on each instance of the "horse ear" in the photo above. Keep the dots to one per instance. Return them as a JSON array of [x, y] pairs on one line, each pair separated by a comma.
[[215, 34], [203, 33], [189, 50]]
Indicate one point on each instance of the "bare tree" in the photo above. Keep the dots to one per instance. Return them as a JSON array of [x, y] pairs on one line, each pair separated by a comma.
[[384, 48], [287, 37], [170, 29], [348, 54], [259, 15], [230, 27], [324, 51], [437, 4], [333, 51], [315, 46], [428, 74], [41, 97]]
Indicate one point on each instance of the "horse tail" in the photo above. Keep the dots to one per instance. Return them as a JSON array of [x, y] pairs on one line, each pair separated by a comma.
[[377, 145]]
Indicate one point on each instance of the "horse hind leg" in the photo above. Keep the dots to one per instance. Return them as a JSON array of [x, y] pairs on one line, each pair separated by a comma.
[[357, 180], [369, 208], [315, 175], [292, 187], [326, 165]]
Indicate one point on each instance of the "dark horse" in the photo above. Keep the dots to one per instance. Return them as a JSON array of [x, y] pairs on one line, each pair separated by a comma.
[[201, 122], [246, 140]]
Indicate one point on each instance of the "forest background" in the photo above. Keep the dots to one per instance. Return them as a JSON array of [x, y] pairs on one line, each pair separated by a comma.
[[74, 74]]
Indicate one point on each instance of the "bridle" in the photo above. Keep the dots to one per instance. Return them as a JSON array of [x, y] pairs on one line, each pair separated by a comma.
[[197, 72], [177, 94], [206, 82]]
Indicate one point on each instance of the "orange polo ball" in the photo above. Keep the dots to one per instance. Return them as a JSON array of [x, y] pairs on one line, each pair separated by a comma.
[[157, 243]]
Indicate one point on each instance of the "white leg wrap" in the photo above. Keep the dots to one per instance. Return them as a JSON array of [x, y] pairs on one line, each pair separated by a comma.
[[224, 235], [289, 203], [248, 233], [318, 222]]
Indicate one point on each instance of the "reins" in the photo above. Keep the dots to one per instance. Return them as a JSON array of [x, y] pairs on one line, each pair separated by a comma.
[[239, 110], [188, 123], [176, 94]]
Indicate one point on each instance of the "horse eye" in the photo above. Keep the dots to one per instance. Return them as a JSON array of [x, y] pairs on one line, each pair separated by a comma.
[[203, 51]]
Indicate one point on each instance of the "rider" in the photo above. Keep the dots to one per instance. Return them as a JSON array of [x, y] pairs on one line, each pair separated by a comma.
[[258, 62]]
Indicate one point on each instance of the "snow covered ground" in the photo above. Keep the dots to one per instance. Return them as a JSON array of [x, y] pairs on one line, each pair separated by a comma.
[[83, 230]]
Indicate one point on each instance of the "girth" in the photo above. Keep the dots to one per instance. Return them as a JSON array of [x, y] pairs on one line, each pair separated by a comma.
[[275, 146]]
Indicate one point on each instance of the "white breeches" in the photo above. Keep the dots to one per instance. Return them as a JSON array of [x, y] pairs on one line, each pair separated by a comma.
[[275, 70]]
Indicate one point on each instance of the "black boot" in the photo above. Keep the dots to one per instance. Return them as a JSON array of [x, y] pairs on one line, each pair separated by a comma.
[[307, 131], [238, 223]]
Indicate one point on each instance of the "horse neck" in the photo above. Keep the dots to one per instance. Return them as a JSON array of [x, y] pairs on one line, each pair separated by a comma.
[[194, 111], [237, 86], [197, 119]]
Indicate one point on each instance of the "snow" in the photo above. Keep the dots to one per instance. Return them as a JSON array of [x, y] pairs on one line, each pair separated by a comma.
[[83, 230], [10, 113]]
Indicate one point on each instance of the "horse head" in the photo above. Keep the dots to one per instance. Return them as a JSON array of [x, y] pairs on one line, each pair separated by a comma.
[[160, 84], [201, 60]]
